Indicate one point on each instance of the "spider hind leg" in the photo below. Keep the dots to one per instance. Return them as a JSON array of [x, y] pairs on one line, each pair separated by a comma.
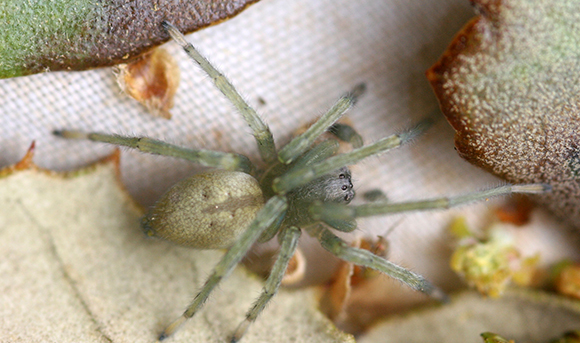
[[342, 250], [288, 240]]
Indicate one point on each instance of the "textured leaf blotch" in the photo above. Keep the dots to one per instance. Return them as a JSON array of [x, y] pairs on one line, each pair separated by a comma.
[[509, 84]]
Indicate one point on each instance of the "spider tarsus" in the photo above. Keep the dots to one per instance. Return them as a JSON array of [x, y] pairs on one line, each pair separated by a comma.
[[356, 92], [175, 34], [70, 134], [172, 328], [168, 27], [146, 227], [435, 293], [417, 130], [165, 24], [424, 286], [240, 331], [534, 188]]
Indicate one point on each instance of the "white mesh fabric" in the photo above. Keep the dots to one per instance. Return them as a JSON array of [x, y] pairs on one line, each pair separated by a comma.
[[299, 56]]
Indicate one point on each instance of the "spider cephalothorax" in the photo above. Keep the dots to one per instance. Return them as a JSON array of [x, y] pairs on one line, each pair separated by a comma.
[[305, 185]]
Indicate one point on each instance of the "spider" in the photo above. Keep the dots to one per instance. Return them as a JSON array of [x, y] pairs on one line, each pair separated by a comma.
[[305, 185]]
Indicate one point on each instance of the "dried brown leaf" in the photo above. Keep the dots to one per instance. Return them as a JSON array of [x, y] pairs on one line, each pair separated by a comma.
[[356, 297]]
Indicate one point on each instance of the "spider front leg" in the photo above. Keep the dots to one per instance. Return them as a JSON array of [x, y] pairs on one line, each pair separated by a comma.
[[208, 158], [260, 130], [288, 240], [274, 209], [330, 211], [302, 176], [300, 144], [364, 258]]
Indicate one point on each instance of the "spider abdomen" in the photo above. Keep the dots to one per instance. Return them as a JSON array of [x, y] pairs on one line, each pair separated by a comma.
[[206, 211]]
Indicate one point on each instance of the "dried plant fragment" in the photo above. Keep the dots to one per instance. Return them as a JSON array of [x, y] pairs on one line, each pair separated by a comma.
[[490, 264], [379, 247], [509, 84], [83, 34], [152, 80], [517, 210], [489, 337], [335, 296], [296, 269], [357, 297], [568, 337], [567, 281], [72, 250]]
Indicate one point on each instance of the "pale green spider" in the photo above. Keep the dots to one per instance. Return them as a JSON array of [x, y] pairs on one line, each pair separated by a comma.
[[306, 185]]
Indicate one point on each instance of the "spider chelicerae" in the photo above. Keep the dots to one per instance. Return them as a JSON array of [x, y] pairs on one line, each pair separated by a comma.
[[306, 185]]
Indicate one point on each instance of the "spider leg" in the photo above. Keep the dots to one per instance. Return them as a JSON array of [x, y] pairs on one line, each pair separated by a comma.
[[303, 142], [365, 258], [288, 240], [271, 231], [299, 177], [222, 160], [318, 153], [259, 128], [333, 211], [347, 133], [274, 209], [342, 225]]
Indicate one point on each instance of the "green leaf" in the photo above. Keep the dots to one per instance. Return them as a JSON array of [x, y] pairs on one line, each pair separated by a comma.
[[50, 35]]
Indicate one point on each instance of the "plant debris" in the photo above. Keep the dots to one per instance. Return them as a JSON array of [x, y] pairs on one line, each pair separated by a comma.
[[567, 281], [492, 263], [152, 79]]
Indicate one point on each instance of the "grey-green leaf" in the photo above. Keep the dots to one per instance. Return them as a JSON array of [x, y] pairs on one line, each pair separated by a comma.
[[49, 35], [522, 316]]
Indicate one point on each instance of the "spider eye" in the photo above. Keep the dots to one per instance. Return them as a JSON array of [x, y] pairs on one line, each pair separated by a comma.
[[344, 187], [341, 176]]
